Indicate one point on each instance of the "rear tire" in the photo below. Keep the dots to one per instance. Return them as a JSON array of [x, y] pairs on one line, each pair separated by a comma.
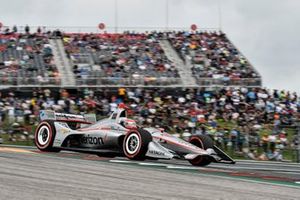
[[44, 136], [203, 142], [135, 144]]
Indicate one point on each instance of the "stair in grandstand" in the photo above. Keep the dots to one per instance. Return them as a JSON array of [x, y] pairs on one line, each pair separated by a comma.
[[62, 63], [183, 69]]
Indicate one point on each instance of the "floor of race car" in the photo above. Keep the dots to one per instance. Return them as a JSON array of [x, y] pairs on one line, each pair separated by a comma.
[[27, 173]]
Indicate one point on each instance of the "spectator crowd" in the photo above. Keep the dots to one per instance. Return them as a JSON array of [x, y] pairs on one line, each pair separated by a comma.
[[212, 55], [125, 58], [26, 59], [234, 117], [119, 56]]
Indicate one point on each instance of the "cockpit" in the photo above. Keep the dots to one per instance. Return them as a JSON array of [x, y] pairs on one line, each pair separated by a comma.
[[120, 115]]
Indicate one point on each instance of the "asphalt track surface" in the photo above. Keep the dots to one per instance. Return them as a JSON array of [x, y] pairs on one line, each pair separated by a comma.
[[26, 173]]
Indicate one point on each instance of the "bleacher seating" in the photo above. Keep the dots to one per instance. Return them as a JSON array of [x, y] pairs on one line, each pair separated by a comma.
[[214, 58], [124, 59], [26, 59], [129, 58]]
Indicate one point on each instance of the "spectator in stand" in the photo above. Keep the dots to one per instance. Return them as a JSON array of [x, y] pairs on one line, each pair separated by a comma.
[[122, 93], [265, 143], [233, 137], [15, 29], [272, 140], [283, 138], [27, 29], [39, 30], [240, 140], [295, 141], [253, 138]]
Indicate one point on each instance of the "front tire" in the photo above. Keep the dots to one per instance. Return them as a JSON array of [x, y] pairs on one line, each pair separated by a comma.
[[135, 144], [44, 136], [203, 142]]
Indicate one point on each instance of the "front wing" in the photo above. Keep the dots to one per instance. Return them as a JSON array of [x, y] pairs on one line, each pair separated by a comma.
[[155, 150]]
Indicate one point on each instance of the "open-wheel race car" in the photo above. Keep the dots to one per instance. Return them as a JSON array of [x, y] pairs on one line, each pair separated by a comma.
[[119, 136]]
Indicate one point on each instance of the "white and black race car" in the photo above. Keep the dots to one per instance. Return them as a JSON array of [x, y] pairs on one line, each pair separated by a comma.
[[120, 136]]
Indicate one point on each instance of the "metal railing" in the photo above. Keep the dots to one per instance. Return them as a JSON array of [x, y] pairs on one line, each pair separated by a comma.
[[18, 81], [248, 82], [96, 81], [128, 81]]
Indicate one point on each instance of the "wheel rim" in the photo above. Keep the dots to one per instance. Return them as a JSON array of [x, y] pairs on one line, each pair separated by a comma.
[[132, 143], [43, 135]]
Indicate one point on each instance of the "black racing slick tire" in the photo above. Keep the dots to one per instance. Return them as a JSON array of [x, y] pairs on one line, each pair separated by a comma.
[[203, 142], [44, 136], [135, 144]]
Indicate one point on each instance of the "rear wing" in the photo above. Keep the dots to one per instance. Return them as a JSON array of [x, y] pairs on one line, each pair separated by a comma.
[[64, 117]]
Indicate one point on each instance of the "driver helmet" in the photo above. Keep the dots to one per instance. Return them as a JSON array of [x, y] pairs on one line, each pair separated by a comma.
[[127, 123]]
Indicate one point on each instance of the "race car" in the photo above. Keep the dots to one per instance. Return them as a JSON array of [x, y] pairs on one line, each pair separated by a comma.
[[118, 135]]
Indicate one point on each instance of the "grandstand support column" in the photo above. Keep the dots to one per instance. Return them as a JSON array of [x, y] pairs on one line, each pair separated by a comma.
[[184, 70], [63, 64]]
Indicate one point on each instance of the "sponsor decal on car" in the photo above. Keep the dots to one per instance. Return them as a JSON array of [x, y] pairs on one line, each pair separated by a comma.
[[157, 152], [91, 140]]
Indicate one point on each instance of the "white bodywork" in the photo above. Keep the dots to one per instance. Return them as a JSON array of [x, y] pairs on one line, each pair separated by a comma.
[[105, 134]]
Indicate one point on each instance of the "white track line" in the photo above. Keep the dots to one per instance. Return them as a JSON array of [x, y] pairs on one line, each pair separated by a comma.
[[296, 173], [183, 167], [257, 168], [263, 164], [153, 164], [172, 166], [270, 162]]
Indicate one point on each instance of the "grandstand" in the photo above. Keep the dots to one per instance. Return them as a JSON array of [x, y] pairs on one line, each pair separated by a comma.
[[161, 59]]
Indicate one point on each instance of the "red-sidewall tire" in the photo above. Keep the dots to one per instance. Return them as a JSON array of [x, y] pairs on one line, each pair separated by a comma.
[[44, 136], [135, 144], [203, 142]]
